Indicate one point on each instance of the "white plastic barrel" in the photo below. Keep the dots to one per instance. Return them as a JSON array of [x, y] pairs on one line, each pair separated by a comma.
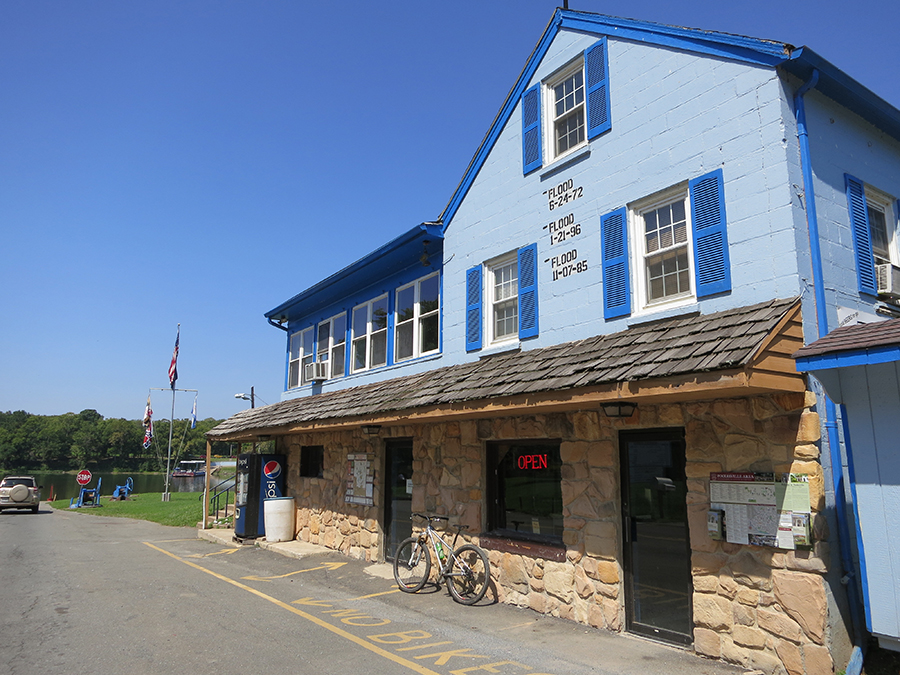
[[278, 513]]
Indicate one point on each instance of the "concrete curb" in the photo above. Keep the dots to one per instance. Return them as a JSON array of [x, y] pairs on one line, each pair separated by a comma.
[[290, 549]]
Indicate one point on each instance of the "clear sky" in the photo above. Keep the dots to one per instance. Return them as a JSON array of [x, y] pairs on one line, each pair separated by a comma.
[[201, 161]]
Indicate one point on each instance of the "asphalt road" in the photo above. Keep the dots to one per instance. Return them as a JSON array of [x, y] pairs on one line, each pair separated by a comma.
[[88, 594]]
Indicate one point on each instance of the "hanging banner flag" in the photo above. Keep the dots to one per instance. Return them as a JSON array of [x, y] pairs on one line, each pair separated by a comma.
[[173, 367], [148, 424], [194, 414]]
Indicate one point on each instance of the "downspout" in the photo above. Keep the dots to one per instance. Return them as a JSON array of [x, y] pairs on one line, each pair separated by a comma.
[[854, 667], [276, 324]]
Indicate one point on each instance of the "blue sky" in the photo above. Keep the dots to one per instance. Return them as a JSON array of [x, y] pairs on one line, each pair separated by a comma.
[[201, 161]]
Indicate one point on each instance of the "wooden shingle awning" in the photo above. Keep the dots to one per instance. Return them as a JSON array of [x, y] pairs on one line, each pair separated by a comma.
[[737, 352]]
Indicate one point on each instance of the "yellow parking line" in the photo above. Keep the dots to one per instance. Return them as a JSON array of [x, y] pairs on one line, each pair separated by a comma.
[[309, 617], [374, 595]]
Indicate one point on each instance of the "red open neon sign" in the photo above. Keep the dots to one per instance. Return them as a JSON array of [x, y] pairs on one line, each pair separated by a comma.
[[532, 461]]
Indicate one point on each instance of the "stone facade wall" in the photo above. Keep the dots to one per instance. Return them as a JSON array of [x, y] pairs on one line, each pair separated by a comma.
[[323, 517], [757, 607]]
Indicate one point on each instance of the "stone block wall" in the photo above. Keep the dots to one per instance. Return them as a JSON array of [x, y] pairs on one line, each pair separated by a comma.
[[757, 607], [323, 517]]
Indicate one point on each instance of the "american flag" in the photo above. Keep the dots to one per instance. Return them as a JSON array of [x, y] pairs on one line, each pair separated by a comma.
[[148, 424], [173, 369]]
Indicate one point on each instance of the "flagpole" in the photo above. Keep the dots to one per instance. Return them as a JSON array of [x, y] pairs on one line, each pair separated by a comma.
[[166, 497], [173, 376]]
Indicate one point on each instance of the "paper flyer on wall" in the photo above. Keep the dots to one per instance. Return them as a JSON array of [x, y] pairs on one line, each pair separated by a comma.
[[760, 510]]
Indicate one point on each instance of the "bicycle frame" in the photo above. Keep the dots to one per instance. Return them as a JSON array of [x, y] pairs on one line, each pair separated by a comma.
[[445, 562]]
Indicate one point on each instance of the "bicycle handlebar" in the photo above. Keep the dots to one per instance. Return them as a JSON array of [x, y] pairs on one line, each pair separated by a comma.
[[429, 518], [425, 516]]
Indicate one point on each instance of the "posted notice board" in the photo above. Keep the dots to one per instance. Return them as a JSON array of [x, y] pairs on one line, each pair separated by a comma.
[[360, 480], [756, 509]]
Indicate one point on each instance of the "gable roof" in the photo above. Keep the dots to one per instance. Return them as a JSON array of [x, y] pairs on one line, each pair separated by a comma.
[[802, 63], [661, 351]]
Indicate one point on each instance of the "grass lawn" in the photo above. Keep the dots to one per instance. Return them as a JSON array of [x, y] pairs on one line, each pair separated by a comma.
[[184, 510]]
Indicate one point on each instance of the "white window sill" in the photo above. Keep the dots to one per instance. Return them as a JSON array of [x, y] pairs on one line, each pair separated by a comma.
[[503, 348], [664, 312], [566, 160]]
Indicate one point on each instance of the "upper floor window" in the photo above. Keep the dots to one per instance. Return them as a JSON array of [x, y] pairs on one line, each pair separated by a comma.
[[301, 353], [502, 299], [882, 226], [369, 326], [680, 252], [331, 344], [566, 110], [663, 236], [417, 317], [873, 220], [567, 103], [503, 292]]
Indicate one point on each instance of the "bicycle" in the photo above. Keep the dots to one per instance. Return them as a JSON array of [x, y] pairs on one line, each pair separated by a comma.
[[466, 569]]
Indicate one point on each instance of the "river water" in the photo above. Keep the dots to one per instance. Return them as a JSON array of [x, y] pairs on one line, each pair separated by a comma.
[[64, 485]]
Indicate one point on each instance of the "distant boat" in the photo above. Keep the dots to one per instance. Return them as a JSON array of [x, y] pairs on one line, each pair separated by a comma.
[[189, 468]]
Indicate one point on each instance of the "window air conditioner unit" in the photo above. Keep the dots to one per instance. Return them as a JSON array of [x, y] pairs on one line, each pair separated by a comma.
[[888, 280], [315, 372]]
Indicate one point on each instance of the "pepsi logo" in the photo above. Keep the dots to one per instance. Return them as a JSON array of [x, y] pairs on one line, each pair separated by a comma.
[[272, 469]]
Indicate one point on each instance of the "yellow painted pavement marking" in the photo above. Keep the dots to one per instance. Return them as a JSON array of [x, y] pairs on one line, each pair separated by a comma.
[[331, 566], [374, 595], [416, 667], [224, 551]]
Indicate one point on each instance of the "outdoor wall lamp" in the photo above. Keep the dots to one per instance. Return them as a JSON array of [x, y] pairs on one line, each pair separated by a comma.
[[619, 409], [371, 429]]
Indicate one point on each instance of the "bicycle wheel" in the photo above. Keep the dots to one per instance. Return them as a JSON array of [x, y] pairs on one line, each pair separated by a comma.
[[412, 565], [469, 575]]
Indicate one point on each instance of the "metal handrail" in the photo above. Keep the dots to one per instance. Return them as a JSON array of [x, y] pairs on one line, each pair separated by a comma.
[[215, 500]]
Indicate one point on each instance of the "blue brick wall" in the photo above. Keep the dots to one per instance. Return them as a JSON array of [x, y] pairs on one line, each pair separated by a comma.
[[675, 116], [840, 143]]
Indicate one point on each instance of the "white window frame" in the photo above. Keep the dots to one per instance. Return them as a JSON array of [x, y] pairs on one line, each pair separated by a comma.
[[876, 200], [492, 304], [331, 347], [368, 335], [638, 241], [552, 120], [417, 319], [298, 357]]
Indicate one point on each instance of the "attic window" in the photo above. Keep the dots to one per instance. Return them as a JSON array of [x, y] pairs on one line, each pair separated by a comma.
[[567, 106]]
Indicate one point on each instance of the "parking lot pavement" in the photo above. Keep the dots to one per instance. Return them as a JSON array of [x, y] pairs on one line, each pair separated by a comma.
[[587, 648]]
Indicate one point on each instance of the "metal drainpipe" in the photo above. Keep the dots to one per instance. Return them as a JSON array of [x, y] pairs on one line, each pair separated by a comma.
[[277, 325], [854, 667]]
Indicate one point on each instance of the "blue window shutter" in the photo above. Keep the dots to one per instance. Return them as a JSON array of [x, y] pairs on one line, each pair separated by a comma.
[[862, 240], [528, 292], [597, 75], [473, 308], [531, 130], [712, 262], [614, 252]]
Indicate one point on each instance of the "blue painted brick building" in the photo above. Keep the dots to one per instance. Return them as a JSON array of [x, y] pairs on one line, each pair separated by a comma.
[[658, 217]]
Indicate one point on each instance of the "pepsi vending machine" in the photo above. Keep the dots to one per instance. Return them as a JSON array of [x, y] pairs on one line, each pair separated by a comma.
[[258, 477]]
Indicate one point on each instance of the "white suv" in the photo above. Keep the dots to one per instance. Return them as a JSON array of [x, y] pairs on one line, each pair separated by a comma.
[[20, 492]]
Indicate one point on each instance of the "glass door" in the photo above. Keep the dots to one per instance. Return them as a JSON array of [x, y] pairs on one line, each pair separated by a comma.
[[657, 548], [398, 494]]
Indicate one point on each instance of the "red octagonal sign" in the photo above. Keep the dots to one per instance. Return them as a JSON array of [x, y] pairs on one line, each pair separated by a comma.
[[83, 477]]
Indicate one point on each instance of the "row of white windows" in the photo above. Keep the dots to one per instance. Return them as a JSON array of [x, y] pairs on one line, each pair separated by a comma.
[[415, 331]]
